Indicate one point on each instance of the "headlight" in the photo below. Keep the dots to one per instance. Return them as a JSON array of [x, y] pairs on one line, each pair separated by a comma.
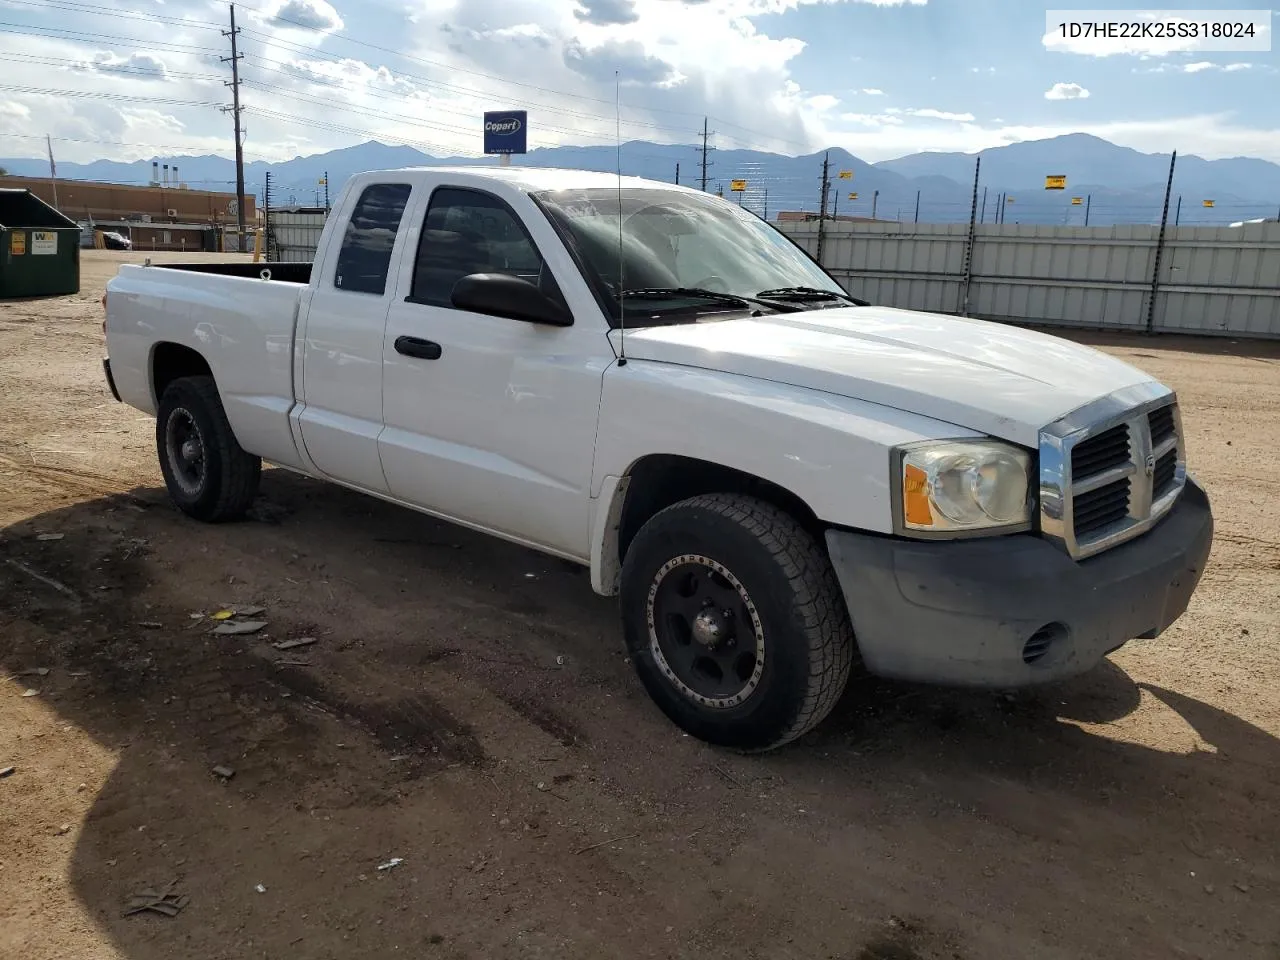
[[962, 485]]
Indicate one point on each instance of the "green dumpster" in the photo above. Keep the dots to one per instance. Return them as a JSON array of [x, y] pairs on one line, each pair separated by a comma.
[[39, 248]]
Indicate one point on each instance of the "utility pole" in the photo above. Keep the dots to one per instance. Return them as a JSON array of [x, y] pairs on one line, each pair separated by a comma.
[[706, 134], [1155, 269], [677, 173], [875, 200], [1088, 202], [917, 206], [53, 171], [235, 110], [266, 216], [968, 247], [1177, 217], [982, 217], [822, 207]]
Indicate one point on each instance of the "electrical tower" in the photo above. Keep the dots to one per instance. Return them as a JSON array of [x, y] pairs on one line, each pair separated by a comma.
[[235, 110], [706, 134]]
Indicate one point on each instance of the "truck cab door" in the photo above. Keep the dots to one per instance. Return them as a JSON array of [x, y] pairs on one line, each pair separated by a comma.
[[491, 421], [341, 390]]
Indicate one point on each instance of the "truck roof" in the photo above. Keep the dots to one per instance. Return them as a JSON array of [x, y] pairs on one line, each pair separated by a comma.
[[531, 179]]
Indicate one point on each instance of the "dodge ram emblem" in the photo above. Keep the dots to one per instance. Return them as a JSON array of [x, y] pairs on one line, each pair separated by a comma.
[[1151, 464]]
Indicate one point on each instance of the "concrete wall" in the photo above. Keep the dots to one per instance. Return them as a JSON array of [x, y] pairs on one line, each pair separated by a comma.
[[1213, 280]]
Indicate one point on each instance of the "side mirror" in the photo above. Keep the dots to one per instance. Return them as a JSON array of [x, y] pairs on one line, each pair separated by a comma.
[[502, 295]]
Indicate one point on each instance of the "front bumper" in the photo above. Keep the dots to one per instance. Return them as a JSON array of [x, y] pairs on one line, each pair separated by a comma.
[[1013, 611]]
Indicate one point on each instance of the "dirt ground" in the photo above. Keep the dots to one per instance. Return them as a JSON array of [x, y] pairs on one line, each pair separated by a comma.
[[468, 709]]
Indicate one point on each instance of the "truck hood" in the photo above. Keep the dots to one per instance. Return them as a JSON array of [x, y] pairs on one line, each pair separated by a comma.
[[1003, 381]]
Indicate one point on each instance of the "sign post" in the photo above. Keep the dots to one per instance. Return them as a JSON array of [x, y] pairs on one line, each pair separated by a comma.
[[506, 132]]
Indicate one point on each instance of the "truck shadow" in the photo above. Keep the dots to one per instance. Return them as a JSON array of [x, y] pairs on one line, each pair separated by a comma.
[[381, 738]]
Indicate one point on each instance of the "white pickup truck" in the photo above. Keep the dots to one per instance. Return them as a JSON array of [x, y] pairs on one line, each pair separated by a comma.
[[777, 479]]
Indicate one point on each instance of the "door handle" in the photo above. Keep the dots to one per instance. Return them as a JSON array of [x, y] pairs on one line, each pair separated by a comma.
[[417, 347]]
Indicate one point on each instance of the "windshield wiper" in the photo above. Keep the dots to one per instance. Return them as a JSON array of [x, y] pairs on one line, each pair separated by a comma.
[[696, 293], [810, 293]]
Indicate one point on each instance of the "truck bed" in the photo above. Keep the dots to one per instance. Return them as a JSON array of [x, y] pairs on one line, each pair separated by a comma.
[[242, 325]]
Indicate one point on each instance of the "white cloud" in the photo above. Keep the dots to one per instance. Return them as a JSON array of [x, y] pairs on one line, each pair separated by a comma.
[[141, 64], [1066, 91], [307, 15], [607, 13], [929, 113], [873, 92], [1200, 66], [872, 119]]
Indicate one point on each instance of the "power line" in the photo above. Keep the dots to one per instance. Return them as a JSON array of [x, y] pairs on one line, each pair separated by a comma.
[[293, 47]]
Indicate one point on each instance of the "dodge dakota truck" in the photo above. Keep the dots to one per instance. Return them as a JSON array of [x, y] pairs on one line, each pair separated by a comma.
[[779, 481]]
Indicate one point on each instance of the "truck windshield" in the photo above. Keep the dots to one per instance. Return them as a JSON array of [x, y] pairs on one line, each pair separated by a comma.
[[679, 248]]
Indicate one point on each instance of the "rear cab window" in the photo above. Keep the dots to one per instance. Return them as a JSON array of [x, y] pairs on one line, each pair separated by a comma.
[[364, 259]]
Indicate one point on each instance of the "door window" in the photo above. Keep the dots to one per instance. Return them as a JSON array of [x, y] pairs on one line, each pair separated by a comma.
[[465, 232], [365, 257]]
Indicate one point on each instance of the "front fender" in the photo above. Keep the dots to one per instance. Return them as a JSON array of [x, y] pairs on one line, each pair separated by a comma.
[[831, 452]]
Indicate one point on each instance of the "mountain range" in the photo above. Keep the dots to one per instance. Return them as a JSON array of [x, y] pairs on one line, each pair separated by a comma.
[[1115, 184]]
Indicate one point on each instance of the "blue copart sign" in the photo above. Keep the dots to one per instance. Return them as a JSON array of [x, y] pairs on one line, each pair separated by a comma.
[[506, 131]]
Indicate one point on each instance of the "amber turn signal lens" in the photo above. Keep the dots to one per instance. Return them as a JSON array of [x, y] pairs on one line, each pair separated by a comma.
[[915, 496]]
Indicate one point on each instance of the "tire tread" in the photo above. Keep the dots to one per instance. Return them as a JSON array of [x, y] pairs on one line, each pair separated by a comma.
[[819, 602], [240, 472]]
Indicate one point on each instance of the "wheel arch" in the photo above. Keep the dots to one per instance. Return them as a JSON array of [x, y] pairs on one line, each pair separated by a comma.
[[656, 481], [171, 361]]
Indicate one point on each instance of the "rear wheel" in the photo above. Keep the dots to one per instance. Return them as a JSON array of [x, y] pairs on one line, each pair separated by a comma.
[[735, 622], [209, 476]]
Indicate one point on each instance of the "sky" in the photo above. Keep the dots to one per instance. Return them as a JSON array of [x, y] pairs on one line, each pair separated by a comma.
[[130, 79]]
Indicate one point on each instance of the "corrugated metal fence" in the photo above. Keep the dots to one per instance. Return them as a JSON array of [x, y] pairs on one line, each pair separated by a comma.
[[1213, 280]]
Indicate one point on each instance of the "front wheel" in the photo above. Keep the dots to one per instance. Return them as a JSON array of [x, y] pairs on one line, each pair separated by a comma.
[[735, 622], [209, 475]]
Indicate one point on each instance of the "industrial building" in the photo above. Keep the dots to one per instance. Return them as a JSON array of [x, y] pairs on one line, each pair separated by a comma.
[[164, 215]]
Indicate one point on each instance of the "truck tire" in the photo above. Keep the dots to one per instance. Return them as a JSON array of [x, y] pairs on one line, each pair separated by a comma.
[[209, 475], [735, 622]]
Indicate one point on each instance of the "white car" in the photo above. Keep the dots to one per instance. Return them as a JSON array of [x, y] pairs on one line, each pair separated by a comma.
[[779, 480]]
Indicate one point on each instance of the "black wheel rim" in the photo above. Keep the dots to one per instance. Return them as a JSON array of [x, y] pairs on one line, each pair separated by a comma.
[[184, 445], [704, 632]]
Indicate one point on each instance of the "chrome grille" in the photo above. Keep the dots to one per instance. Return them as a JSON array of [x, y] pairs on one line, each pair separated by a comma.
[[1106, 451], [1110, 471], [1101, 507]]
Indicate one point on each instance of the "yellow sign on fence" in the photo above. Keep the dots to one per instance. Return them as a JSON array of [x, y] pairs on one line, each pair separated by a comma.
[[737, 186], [1076, 201], [1055, 183], [853, 196], [846, 174], [1208, 203]]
